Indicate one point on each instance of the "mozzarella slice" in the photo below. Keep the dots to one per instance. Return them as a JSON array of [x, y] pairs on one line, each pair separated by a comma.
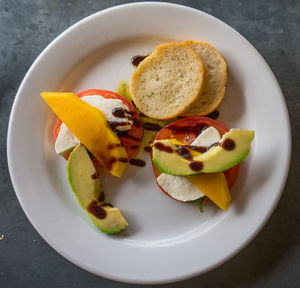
[[107, 106], [208, 137], [179, 187], [66, 141]]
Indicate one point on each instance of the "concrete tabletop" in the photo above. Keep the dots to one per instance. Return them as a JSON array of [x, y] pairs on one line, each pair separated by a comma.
[[272, 259]]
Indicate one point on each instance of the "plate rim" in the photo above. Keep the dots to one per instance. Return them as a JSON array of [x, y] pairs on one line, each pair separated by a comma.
[[70, 257]]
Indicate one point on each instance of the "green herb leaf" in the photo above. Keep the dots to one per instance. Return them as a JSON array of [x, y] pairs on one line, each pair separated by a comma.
[[199, 203]]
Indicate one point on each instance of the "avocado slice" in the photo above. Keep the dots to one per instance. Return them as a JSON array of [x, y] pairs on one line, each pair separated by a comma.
[[86, 185], [233, 148]]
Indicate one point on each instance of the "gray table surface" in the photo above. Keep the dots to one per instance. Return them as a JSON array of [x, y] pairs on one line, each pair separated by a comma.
[[273, 257]]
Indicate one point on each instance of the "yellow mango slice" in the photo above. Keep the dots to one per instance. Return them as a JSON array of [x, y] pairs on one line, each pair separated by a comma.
[[214, 186], [90, 126]]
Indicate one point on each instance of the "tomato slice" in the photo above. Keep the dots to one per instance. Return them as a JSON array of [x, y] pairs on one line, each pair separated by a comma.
[[187, 131], [132, 139]]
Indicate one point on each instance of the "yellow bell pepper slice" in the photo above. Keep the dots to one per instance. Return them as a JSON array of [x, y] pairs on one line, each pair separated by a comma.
[[90, 126]]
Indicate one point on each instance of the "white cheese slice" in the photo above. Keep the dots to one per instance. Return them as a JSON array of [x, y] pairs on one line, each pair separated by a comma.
[[107, 106], [208, 137], [66, 141], [179, 187]]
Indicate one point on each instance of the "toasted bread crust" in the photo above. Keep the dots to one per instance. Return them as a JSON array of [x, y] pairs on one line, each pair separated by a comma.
[[214, 82]]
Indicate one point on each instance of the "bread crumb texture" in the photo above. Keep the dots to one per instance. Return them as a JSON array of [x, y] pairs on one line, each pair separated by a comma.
[[168, 81]]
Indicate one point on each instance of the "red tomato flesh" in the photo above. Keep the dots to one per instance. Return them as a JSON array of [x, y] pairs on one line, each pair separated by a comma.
[[188, 135]]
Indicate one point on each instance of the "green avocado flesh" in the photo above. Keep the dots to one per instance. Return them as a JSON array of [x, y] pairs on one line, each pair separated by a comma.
[[216, 159], [113, 223], [80, 170], [86, 185]]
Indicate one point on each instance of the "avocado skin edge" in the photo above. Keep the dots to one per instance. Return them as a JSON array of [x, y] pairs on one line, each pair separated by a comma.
[[121, 226]]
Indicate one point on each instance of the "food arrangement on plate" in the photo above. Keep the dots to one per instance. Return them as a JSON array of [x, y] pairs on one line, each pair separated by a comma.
[[173, 88]]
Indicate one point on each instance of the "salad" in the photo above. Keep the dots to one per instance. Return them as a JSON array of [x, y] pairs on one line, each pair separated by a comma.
[[99, 131]]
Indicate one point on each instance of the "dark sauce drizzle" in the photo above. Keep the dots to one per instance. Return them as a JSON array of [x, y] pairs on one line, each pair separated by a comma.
[[114, 124], [96, 210], [213, 115], [147, 149], [202, 149], [196, 129], [152, 126], [196, 165], [123, 113], [184, 152], [136, 60], [136, 122], [125, 134], [106, 204], [137, 162], [111, 162], [94, 175], [118, 112], [162, 147], [228, 144], [112, 146]]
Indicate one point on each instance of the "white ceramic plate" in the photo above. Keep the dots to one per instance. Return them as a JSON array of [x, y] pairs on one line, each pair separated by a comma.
[[166, 240]]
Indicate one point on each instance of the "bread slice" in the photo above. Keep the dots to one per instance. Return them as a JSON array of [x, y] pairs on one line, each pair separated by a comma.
[[214, 82], [167, 81]]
